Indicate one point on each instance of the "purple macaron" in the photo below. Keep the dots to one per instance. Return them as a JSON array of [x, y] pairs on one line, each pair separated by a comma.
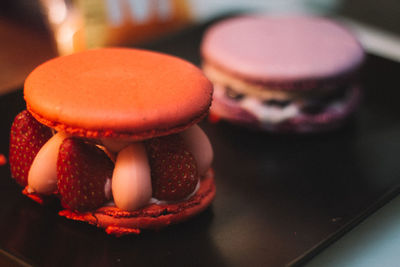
[[283, 73]]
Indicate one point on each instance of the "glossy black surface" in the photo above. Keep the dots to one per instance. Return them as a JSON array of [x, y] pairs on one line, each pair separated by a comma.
[[280, 199]]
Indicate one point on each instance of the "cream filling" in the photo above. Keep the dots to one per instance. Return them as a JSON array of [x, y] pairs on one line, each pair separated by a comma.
[[42, 176], [271, 114], [43, 170], [268, 114], [131, 180]]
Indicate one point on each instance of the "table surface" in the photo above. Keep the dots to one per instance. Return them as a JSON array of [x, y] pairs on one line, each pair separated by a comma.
[[280, 199], [373, 243]]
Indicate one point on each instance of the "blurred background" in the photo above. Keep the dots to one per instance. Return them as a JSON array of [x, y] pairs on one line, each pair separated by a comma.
[[32, 31], [36, 30]]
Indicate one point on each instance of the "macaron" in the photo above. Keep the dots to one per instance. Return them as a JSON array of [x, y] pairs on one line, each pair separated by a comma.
[[113, 134], [294, 73]]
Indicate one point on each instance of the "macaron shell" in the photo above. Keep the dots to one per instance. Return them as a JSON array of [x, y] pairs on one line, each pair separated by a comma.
[[119, 222], [118, 92], [273, 49]]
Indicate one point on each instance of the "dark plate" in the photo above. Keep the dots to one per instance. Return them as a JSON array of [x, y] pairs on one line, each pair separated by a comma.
[[280, 199]]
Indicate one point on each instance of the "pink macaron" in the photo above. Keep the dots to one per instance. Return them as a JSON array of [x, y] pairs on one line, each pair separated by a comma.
[[283, 73]]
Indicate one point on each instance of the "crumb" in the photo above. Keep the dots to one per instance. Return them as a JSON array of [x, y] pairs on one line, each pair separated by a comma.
[[3, 159], [336, 219], [213, 118]]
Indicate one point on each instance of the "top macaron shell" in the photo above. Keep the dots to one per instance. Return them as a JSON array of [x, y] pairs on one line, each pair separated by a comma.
[[281, 48], [118, 92]]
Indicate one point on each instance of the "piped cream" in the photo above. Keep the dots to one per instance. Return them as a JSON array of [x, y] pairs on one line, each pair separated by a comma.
[[42, 176], [131, 181], [199, 145]]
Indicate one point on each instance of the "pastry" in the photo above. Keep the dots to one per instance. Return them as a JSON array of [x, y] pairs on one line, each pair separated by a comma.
[[113, 134], [282, 73]]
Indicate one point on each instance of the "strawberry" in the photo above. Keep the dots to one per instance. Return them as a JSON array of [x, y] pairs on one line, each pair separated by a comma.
[[82, 172], [26, 138], [173, 168]]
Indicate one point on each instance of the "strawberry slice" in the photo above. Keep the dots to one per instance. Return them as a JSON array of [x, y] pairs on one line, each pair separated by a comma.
[[82, 172], [26, 138], [173, 168]]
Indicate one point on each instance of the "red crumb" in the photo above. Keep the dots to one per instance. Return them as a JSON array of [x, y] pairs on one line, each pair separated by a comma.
[[3, 159], [120, 231], [34, 196], [213, 118]]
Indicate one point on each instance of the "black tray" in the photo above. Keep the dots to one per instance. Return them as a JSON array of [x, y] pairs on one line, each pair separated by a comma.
[[280, 199]]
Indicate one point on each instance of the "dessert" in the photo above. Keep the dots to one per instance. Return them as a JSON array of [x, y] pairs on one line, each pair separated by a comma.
[[283, 73], [113, 134]]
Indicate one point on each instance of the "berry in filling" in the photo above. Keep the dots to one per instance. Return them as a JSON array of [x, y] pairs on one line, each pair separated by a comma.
[[82, 172], [85, 174], [308, 103], [317, 104], [277, 103], [232, 94]]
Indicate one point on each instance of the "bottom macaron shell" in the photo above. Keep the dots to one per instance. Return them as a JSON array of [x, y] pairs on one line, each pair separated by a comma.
[[119, 222], [224, 108]]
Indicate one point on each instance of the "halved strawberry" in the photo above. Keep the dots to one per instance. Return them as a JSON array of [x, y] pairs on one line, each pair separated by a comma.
[[26, 138], [173, 168], [82, 172]]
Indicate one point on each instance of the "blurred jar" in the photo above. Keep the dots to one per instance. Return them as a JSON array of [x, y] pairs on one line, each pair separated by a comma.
[[83, 24]]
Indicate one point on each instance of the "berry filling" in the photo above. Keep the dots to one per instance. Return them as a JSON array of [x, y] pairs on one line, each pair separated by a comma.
[[85, 173], [232, 94], [318, 104], [277, 103], [276, 110]]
